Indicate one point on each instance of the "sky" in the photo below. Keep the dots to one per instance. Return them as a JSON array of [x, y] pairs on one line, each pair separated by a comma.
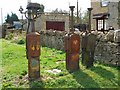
[[8, 6]]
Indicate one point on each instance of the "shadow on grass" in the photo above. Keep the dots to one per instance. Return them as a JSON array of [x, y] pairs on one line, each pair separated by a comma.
[[103, 72], [36, 84], [85, 80]]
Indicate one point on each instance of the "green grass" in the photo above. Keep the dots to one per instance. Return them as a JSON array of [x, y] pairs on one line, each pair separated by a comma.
[[14, 70]]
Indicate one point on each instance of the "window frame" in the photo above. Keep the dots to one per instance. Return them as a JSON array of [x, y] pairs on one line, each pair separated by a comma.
[[104, 3]]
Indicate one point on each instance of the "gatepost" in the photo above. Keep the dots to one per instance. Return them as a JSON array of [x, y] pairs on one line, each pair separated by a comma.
[[72, 47]]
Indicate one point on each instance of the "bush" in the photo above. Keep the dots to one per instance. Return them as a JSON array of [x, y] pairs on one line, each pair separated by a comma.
[[21, 41]]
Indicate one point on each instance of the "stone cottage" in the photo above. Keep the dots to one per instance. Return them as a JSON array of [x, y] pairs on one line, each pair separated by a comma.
[[54, 21], [105, 14]]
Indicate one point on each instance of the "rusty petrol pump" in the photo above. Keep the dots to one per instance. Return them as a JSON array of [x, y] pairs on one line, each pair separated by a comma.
[[72, 47], [32, 41], [88, 45]]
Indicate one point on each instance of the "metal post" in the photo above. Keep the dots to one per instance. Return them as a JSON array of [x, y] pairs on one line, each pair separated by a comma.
[[77, 13], [72, 47], [89, 9], [32, 41], [72, 22]]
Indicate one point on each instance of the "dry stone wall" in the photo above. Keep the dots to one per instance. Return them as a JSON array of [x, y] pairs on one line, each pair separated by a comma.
[[53, 39], [107, 45], [107, 48]]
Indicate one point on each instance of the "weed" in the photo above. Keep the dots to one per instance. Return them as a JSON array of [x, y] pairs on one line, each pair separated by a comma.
[[24, 73], [9, 36], [6, 84], [20, 77]]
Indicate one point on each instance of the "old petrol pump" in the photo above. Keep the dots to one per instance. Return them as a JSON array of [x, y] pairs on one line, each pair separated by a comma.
[[72, 47], [32, 41], [88, 45]]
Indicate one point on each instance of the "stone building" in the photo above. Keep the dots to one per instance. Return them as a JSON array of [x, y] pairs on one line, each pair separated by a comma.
[[54, 21], [105, 14]]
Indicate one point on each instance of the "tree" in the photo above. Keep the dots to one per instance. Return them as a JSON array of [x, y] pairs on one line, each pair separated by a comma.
[[79, 16], [85, 18], [59, 11], [14, 17], [10, 19]]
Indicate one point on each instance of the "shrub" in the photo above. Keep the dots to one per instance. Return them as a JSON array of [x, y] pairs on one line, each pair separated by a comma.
[[21, 41]]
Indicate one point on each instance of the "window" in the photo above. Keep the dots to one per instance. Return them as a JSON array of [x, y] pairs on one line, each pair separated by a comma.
[[104, 3], [100, 24]]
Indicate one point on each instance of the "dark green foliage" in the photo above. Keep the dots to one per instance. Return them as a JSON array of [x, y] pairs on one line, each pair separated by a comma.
[[20, 77], [24, 73], [21, 41], [11, 18]]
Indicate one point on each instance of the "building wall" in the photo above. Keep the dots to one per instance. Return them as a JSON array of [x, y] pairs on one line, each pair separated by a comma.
[[40, 23], [113, 18], [59, 17], [96, 5], [112, 9], [119, 14]]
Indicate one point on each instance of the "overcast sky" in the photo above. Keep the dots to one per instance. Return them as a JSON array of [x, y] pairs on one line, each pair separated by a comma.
[[9, 6]]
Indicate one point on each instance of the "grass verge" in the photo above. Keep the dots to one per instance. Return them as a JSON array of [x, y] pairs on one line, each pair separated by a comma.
[[15, 69]]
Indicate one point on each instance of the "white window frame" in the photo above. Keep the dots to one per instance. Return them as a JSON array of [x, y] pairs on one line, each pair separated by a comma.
[[104, 3]]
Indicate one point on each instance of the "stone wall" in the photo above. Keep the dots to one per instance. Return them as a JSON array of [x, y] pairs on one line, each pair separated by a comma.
[[107, 45], [53, 39]]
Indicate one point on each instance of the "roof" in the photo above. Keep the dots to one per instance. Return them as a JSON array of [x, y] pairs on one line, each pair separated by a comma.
[[101, 16]]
